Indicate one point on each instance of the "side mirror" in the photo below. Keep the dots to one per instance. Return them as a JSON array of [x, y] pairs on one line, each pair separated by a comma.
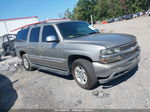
[[97, 30], [51, 38]]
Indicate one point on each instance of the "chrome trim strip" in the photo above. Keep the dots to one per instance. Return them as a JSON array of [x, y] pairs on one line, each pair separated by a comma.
[[50, 59]]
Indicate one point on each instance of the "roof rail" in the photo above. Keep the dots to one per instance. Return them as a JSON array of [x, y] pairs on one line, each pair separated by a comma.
[[26, 26], [49, 20], [57, 20]]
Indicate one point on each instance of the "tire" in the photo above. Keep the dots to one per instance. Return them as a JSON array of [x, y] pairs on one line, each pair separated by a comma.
[[27, 63], [83, 68]]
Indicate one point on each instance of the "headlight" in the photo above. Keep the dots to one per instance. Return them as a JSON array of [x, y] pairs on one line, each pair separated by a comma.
[[106, 55], [109, 51]]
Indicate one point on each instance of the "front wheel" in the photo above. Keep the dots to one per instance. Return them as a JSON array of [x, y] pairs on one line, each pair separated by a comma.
[[84, 73]]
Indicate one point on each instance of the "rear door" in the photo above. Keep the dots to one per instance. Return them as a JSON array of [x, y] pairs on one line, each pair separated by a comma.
[[33, 46]]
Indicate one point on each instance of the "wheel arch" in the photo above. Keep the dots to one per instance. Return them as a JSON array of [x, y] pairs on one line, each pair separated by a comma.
[[21, 53], [72, 58]]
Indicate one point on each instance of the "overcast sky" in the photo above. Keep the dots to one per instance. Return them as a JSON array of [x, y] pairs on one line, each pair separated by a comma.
[[50, 9]]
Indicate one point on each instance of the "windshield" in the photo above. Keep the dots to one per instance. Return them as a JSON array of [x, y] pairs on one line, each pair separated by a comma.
[[75, 29]]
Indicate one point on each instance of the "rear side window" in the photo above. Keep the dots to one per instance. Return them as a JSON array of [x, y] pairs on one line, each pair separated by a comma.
[[22, 35], [34, 35], [47, 31]]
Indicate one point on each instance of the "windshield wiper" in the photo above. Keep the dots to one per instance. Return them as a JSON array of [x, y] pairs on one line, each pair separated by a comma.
[[78, 35], [81, 34], [92, 33]]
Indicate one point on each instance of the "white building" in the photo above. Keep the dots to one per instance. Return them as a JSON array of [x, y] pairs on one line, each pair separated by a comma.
[[8, 26]]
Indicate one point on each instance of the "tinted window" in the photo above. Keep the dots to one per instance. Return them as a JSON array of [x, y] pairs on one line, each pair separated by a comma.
[[75, 29], [47, 31], [34, 35], [22, 35]]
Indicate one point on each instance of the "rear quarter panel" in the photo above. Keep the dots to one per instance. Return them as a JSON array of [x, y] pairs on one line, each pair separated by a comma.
[[21, 46]]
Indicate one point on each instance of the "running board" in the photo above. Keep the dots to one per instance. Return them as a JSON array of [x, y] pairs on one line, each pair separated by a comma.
[[53, 70]]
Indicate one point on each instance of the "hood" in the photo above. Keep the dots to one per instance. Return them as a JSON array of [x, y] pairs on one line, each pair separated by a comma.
[[106, 40]]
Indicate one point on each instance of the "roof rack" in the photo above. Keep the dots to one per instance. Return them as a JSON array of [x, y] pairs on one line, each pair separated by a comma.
[[49, 20]]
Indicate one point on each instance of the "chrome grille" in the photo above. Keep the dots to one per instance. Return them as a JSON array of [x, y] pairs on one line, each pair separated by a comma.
[[128, 54], [128, 46]]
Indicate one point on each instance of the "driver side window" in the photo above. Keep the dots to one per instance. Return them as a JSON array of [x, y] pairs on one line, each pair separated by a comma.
[[47, 31]]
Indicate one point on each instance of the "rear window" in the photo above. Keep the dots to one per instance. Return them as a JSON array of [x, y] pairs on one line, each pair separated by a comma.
[[22, 35], [34, 35]]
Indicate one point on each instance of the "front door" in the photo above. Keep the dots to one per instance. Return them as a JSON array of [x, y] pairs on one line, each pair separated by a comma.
[[51, 52]]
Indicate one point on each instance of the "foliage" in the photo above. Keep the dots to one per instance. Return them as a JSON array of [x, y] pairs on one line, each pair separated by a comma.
[[103, 9], [68, 14]]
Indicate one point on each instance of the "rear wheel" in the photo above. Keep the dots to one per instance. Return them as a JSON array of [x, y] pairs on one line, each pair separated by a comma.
[[84, 74], [27, 63]]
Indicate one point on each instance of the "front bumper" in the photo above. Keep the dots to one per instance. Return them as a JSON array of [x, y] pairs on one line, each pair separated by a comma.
[[108, 72]]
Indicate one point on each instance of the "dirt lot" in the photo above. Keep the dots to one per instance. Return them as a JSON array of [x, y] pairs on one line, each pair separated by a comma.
[[20, 89]]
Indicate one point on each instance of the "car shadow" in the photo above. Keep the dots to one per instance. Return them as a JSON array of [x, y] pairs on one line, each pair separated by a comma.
[[8, 94], [120, 79], [108, 85], [68, 77]]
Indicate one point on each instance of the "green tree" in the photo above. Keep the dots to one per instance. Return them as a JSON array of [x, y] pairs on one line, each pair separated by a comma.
[[104, 9], [84, 9], [101, 9], [68, 14]]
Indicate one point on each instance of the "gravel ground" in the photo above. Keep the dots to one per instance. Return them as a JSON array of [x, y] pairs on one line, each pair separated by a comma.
[[20, 89]]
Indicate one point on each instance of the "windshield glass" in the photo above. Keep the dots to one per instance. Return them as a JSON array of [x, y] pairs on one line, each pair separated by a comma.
[[75, 29]]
